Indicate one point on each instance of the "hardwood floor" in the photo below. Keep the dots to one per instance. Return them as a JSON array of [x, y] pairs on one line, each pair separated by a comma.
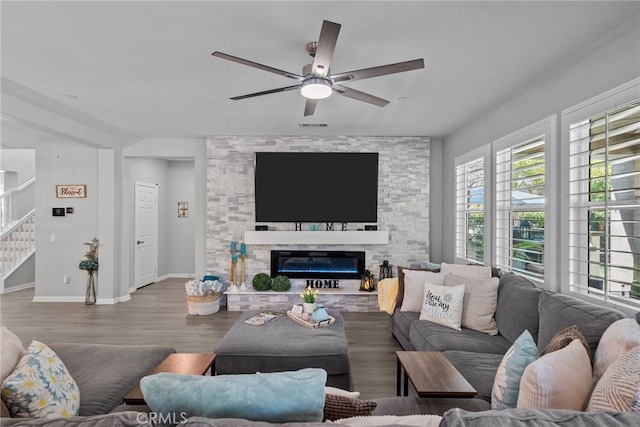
[[157, 314]]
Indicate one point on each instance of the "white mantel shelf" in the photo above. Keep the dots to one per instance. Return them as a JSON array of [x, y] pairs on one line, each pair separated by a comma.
[[316, 237]]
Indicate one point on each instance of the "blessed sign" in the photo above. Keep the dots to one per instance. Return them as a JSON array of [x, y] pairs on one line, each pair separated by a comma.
[[71, 191]]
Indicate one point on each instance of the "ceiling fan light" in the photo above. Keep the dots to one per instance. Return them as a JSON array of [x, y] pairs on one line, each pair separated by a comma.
[[316, 88]]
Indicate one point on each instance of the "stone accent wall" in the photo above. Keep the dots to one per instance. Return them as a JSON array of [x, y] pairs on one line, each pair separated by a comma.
[[242, 301], [403, 197]]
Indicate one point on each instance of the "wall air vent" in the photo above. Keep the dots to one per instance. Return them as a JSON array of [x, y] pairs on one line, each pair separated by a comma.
[[313, 125]]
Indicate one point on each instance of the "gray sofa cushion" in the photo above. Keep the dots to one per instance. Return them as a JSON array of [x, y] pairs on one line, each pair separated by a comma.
[[397, 324], [517, 307], [121, 419], [234, 422], [477, 368], [558, 311], [539, 418], [428, 336], [106, 373], [404, 319]]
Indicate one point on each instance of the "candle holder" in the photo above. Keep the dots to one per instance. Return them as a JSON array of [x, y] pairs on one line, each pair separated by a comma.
[[233, 273], [243, 272]]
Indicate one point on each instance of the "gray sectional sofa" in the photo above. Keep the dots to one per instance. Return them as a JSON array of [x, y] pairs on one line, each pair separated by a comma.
[[522, 305], [106, 373]]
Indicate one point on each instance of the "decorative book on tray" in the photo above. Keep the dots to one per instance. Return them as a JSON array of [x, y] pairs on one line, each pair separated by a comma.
[[263, 317]]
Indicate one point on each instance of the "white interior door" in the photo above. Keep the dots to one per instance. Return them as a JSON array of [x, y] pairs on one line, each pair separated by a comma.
[[146, 234]]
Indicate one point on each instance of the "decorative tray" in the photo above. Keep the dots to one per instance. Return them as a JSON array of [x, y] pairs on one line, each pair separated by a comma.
[[311, 323]]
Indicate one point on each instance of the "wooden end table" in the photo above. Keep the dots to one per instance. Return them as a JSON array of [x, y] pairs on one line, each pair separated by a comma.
[[177, 363], [431, 375]]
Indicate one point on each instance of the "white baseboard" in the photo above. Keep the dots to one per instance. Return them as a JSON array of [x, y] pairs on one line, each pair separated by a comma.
[[176, 276], [19, 287], [111, 301], [58, 299], [165, 277], [99, 301]]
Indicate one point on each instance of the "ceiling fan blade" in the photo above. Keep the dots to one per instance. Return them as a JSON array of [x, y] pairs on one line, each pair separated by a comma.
[[258, 66], [266, 92], [326, 45], [360, 96], [310, 107], [367, 73]]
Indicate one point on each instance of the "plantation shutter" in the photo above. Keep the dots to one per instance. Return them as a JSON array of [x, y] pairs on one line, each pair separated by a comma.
[[604, 220], [520, 208], [470, 203]]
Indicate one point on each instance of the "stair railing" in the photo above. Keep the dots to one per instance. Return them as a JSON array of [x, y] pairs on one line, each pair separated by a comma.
[[17, 243], [8, 205]]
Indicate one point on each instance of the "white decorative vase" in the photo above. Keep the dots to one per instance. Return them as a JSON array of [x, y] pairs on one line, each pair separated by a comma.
[[308, 307]]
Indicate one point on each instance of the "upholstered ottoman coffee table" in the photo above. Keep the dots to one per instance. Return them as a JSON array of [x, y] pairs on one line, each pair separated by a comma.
[[284, 345]]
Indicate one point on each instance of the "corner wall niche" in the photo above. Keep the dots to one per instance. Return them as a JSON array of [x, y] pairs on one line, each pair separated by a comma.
[[403, 202]]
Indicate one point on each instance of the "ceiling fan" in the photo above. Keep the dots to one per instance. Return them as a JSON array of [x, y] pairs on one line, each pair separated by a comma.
[[315, 82]]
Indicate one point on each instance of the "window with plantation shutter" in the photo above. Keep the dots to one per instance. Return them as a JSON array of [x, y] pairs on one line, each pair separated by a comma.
[[604, 205], [520, 208], [470, 210]]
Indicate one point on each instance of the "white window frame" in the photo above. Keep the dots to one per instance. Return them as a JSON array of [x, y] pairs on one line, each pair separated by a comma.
[[545, 128], [607, 101], [483, 152]]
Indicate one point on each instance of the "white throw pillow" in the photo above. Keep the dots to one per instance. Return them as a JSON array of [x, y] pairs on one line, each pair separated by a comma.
[[443, 305], [557, 380], [620, 337], [340, 392], [480, 302], [11, 351], [619, 387], [469, 271], [414, 281]]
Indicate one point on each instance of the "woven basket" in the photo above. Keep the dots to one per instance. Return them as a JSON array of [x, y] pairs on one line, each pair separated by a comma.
[[203, 305]]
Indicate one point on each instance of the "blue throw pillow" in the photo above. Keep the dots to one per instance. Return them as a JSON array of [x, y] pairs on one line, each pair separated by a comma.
[[506, 385], [271, 397]]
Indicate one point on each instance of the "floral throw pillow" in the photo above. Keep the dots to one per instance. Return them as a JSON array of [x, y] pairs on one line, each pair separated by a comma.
[[41, 386], [443, 305]]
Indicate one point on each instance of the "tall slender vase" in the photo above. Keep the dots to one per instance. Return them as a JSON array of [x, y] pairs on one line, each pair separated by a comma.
[[90, 298]]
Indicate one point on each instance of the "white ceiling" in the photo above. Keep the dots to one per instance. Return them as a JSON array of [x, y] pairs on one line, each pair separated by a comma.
[[144, 69]]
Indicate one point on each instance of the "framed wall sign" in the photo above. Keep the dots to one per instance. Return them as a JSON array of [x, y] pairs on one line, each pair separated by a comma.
[[183, 209], [71, 191]]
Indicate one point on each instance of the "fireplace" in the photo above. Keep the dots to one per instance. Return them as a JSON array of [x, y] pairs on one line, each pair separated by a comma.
[[318, 264]]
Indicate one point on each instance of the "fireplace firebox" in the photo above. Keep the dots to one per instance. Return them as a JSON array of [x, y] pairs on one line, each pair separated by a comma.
[[318, 264]]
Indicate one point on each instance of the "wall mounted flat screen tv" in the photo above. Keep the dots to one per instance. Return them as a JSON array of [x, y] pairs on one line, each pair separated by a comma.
[[316, 187]]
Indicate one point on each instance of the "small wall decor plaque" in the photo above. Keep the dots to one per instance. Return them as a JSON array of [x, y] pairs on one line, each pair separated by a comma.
[[71, 191], [183, 209]]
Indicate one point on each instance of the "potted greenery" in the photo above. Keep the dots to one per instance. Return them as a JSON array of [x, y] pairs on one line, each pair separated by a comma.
[[309, 297], [281, 284], [261, 282]]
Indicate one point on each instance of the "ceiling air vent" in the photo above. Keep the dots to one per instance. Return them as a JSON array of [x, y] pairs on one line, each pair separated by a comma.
[[313, 125]]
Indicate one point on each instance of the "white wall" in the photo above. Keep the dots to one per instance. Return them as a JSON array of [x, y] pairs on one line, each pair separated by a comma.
[[22, 162], [64, 162], [190, 151], [181, 250], [614, 61]]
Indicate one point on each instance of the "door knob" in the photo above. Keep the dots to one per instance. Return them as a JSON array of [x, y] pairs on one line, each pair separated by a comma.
[[139, 241]]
